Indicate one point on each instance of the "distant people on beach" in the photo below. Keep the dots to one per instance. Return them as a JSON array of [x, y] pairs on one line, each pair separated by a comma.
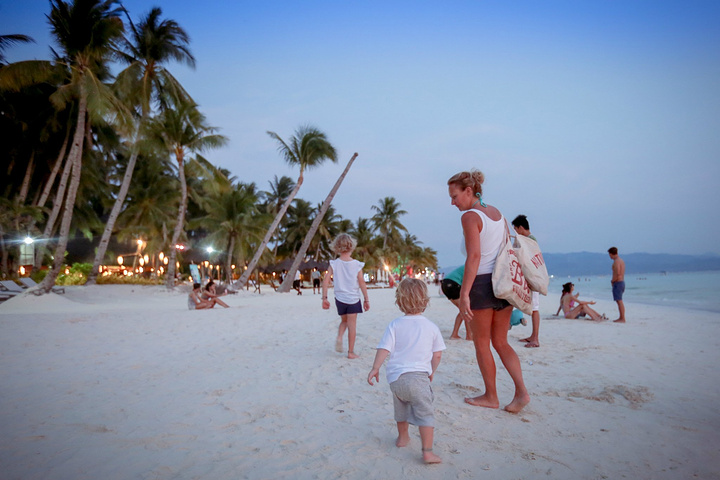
[[349, 286], [297, 281], [522, 227], [484, 230], [450, 287], [574, 308], [210, 293], [315, 276], [414, 345], [195, 300], [618, 282]]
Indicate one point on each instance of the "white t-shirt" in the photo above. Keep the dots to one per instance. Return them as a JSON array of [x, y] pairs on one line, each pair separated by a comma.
[[297, 275], [411, 341], [345, 280]]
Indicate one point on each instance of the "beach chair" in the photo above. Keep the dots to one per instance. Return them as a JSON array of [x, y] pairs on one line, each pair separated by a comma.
[[8, 288], [29, 283]]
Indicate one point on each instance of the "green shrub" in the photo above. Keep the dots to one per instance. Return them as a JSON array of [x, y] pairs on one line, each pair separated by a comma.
[[125, 280]]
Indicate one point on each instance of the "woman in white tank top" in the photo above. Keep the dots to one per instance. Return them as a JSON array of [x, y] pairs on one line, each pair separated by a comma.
[[484, 230]]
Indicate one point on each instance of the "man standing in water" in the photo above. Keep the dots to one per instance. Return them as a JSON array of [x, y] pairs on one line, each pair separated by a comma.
[[618, 281]]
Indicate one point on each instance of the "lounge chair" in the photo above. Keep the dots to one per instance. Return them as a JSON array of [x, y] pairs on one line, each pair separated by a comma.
[[9, 287], [29, 283]]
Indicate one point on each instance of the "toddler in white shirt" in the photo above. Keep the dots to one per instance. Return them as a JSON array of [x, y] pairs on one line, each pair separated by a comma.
[[414, 346]]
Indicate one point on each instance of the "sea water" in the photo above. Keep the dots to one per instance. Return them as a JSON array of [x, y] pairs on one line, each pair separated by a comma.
[[694, 290]]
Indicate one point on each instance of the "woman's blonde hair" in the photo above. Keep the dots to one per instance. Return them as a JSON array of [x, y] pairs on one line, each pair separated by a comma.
[[473, 179], [343, 243], [411, 296]]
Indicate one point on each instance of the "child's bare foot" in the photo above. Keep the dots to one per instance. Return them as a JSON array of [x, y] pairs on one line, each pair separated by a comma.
[[518, 403], [338, 345], [430, 457], [402, 440], [483, 401], [353, 355], [619, 320]]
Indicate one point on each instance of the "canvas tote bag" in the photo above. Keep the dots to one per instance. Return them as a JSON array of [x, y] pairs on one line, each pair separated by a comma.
[[532, 263], [508, 280]]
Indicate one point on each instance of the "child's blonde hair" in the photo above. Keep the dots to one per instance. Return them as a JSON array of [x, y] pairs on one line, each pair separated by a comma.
[[343, 243], [412, 296]]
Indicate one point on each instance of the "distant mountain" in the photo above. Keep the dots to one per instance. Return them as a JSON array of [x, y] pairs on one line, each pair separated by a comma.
[[587, 263]]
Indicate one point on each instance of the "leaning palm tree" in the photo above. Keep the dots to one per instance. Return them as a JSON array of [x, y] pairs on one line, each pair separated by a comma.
[[387, 218], [182, 130], [85, 30], [287, 283], [152, 44], [308, 148]]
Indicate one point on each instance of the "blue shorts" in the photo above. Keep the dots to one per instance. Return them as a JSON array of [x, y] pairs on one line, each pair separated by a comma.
[[618, 290], [344, 308]]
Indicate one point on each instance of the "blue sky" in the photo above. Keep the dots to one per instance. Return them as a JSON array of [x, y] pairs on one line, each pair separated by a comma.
[[599, 120]]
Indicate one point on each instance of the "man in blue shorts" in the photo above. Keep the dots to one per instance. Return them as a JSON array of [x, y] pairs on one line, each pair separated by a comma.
[[618, 281]]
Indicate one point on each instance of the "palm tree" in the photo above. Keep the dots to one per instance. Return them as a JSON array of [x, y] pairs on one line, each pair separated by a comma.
[[85, 31], [280, 190], [182, 130], [308, 148], [228, 211], [287, 283], [7, 40], [387, 219], [153, 43]]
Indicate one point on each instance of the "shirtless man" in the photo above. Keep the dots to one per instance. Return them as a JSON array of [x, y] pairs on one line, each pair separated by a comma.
[[618, 281]]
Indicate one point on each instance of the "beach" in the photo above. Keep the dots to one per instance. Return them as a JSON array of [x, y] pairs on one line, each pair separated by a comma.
[[124, 382]]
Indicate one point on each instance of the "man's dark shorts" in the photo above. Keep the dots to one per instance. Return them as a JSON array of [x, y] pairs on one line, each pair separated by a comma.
[[450, 288], [618, 290], [344, 308]]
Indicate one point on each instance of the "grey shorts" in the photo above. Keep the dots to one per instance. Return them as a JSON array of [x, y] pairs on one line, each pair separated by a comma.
[[413, 399]]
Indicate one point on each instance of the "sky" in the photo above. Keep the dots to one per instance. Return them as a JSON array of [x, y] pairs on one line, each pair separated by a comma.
[[598, 120]]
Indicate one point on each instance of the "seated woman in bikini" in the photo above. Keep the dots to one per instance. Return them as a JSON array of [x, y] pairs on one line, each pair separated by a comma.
[[572, 311]]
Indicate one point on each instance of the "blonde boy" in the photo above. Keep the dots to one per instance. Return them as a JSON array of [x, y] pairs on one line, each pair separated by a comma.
[[415, 347], [349, 284]]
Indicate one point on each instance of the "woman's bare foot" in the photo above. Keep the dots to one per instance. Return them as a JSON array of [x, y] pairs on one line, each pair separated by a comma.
[[353, 355], [430, 457], [619, 320], [338, 345], [483, 401], [402, 441], [525, 339], [532, 344], [517, 404]]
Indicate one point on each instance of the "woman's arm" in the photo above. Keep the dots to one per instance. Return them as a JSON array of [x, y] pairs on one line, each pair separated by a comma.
[[472, 225], [325, 285]]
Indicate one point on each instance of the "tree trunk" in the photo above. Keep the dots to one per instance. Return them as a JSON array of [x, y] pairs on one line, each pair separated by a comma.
[[114, 214], [3, 256], [56, 168], [57, 205], [261, 248], [170, 276], [228, 259], [22, 196], [287, 283], [75, 158]]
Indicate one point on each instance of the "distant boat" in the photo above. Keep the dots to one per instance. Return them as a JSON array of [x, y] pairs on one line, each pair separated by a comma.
[[663, 272]]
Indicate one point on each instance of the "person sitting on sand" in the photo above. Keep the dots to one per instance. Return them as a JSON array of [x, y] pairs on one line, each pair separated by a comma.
[[571, 311], [210, 293], [414, 345], [195, 300], [349, 283]]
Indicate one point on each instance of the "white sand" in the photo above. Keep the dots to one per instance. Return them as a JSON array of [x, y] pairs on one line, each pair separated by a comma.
[[122, 382]]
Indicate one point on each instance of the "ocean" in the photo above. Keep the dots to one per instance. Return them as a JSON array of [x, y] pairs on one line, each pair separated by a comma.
[[693, 290]]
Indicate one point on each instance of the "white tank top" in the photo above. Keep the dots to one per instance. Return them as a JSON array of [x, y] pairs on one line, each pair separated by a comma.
[[492, 238]]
